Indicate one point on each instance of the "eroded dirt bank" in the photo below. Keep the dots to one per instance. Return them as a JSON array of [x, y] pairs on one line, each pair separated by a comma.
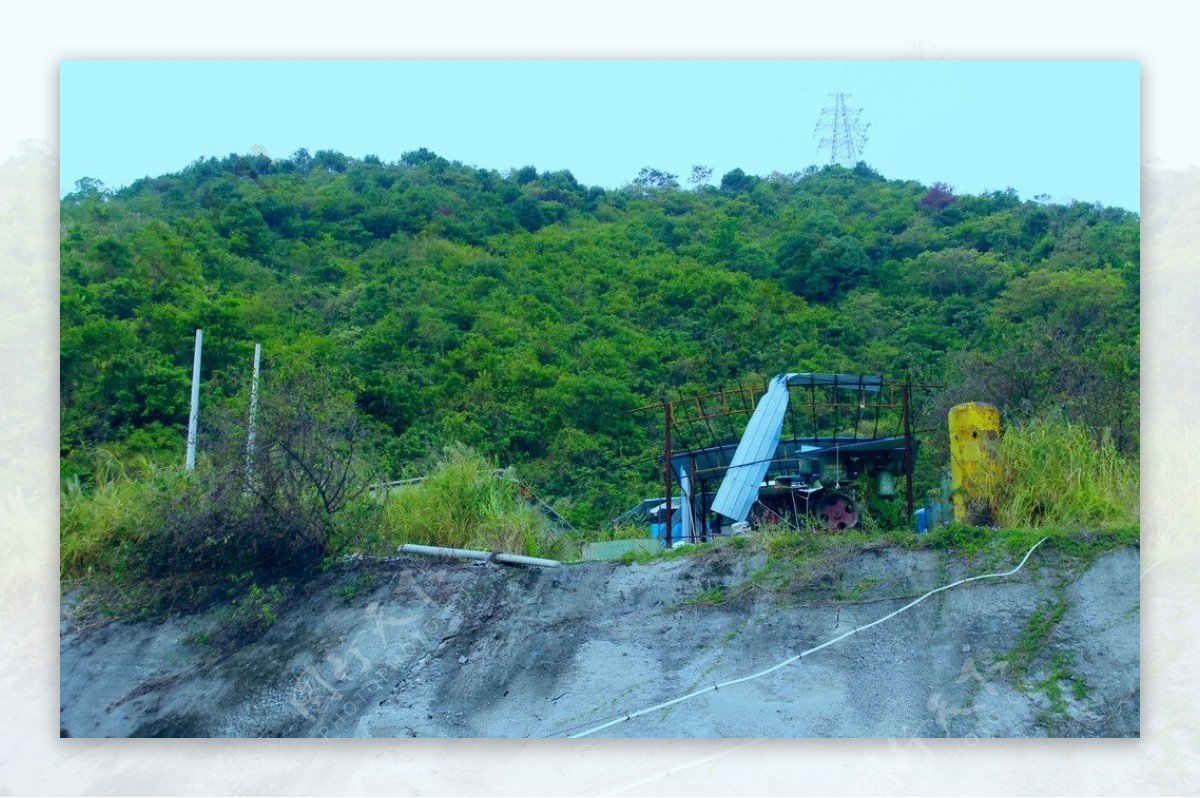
[[416, 648]]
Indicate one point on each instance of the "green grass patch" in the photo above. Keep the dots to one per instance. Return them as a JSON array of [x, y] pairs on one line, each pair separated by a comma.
[[961, 538], [802, 563], [464, 503], [713, 595], [997, 546], [1036, 635], [798, 562], [1052, 473], [101, 524], [855, 592], [361, 584], [1061, 685]]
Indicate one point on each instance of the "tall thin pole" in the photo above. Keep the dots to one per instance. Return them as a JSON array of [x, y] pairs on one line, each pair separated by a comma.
[[194, 417], [253, 416], [667, 475], [908, 458]]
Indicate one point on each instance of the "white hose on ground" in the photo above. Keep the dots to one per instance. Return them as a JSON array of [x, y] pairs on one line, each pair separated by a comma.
[[790, 660], [473, 554]]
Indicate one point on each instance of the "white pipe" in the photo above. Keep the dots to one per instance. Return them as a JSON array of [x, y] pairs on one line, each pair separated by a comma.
[[790, 660], [194, 417], [521, 559], [443, 551], [473, 554]]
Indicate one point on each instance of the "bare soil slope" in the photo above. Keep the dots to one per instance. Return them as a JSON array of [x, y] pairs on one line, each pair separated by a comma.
[[419, 648]]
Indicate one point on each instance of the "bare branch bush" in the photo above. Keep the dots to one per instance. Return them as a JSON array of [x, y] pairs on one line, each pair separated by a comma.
[[278, 510]]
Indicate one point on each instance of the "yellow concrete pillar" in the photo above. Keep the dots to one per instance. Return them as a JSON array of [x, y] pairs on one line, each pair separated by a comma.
[[974, 432]]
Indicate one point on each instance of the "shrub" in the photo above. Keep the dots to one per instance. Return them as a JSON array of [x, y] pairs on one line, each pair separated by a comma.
[[276, 513], [181, 537]]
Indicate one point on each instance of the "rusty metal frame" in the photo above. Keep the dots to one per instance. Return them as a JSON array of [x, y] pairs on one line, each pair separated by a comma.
[[690, 412]]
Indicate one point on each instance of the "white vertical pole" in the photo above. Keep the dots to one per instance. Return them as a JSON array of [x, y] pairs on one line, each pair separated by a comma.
[[194, 418], [253, 415]]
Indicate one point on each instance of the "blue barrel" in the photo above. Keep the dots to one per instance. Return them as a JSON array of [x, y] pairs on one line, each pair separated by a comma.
[[657, 529]]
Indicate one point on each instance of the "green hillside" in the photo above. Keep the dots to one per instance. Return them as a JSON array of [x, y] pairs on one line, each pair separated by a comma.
[[523, 314]]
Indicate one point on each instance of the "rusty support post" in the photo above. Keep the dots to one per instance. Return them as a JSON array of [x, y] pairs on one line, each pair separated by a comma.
[[678, 436], [691, 498], [728, 412], [667, 475], [862, 402], [704, 416], [812, 400], [833, 400], [908, 460]]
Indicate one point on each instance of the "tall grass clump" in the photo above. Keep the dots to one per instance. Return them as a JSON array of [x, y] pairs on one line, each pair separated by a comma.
[[466, 503], [1053, 473], [104, 518]]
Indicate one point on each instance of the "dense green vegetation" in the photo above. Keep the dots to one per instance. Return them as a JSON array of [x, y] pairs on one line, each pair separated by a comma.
[[523, 314]]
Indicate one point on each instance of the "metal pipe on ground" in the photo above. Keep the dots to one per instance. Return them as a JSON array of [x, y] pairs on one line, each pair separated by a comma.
[[473, 554]]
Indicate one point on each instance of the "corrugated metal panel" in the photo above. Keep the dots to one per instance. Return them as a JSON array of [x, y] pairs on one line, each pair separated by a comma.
[[750, 462]]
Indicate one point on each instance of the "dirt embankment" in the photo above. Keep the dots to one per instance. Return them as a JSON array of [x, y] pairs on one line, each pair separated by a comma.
[[417, 648]]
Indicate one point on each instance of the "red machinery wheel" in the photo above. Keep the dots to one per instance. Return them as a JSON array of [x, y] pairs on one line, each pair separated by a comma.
[[837, 511]]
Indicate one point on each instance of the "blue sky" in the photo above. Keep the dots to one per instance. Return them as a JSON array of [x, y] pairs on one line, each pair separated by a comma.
[[1066, 129]]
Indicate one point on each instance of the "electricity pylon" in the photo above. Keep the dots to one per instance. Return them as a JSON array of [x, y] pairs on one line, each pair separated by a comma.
[[845, 134]]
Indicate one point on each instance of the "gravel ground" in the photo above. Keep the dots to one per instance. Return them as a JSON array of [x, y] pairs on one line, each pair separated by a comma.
[[437, 649]]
